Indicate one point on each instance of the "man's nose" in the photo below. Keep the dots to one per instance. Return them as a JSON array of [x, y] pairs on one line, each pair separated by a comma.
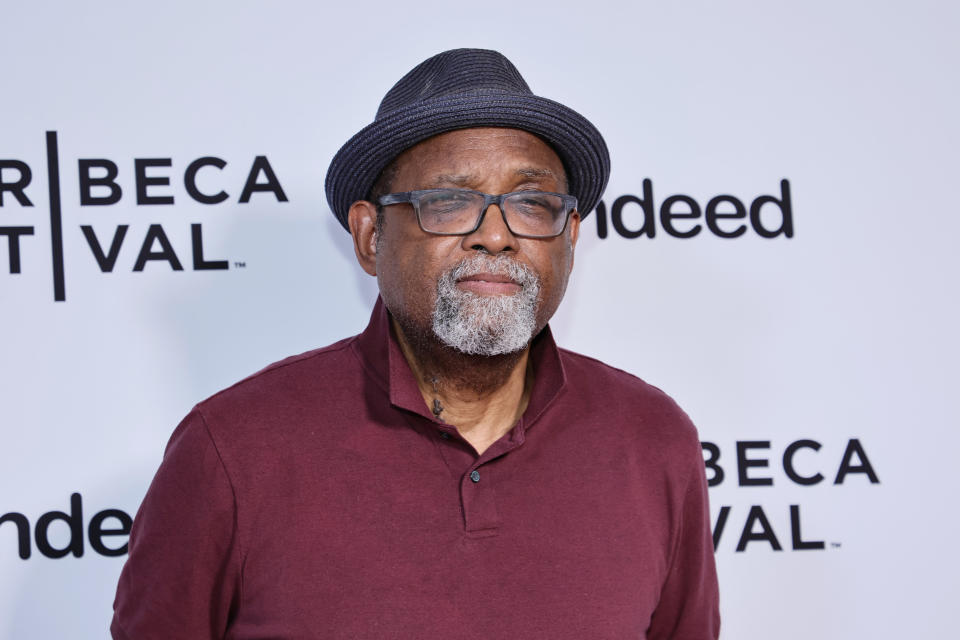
[[493, 235]]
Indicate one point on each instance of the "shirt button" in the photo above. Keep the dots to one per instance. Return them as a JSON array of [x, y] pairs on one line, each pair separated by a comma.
[[475, 475], [444, 435]]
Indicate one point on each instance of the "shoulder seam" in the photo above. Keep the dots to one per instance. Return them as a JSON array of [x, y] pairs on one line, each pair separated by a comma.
[[580, 356], [610, 367], [233, 490], [286, 362]]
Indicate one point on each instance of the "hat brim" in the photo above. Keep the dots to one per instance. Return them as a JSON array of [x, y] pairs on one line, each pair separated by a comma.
[[578, 143]]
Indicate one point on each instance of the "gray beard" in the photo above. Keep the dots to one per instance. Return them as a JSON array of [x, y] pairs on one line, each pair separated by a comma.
[[486, 325]]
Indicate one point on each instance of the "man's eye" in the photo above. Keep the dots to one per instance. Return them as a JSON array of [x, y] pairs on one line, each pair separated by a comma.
[[535, 202], [535, 205], [447, 204]]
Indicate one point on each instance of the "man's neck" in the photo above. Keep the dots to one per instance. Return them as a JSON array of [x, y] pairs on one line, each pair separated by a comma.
[[482, 396]]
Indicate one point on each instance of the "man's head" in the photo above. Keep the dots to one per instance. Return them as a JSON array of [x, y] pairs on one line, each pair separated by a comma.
[[466, 119], [485, 292]]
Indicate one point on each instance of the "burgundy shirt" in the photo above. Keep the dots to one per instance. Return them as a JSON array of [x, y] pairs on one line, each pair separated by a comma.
[[320, 498]]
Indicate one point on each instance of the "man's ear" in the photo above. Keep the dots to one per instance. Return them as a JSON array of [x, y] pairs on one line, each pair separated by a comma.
[[362, 220], [573, 228]]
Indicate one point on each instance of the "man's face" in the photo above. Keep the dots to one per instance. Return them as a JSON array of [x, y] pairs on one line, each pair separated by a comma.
[[486, 292]]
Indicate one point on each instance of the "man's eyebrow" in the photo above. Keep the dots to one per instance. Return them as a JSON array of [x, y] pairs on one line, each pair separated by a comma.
[[460, 180], [534, 173], [530, 172]]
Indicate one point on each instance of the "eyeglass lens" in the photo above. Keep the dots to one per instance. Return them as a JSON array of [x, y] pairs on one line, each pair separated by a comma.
[[527, 213]]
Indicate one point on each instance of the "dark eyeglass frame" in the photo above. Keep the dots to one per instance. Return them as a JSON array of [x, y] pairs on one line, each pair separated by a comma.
[[413, 198]]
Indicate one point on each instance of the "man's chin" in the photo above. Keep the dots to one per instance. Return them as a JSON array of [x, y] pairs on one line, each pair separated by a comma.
[[488, 346], [484, 337]]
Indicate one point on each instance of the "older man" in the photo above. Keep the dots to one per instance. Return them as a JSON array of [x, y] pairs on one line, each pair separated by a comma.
[[448, 473]]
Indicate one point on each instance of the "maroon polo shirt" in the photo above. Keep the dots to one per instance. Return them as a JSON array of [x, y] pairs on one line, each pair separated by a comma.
[[320, 498]]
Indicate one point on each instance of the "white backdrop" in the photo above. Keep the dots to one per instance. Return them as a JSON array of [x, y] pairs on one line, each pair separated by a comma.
[[844, 332]]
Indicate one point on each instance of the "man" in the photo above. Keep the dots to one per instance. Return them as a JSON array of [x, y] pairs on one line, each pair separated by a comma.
[[448, 473]]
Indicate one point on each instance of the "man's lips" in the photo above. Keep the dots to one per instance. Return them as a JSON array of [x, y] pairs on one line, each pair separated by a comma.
[[488, 284]]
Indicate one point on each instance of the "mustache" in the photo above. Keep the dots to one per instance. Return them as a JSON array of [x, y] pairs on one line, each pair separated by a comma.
[[501, 265]]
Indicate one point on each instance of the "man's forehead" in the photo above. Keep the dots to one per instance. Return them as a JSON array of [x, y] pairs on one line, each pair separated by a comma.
[[478, 138], [463, 157], [466, 180]]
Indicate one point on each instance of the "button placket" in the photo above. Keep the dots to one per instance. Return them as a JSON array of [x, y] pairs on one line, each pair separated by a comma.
[[479, 500]]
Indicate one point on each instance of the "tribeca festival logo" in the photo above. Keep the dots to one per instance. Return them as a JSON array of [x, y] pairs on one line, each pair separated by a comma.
[[98, 187], [681, 216], [746, 469]]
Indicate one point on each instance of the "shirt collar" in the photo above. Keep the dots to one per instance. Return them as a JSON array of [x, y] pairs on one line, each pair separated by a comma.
[[380, 353]]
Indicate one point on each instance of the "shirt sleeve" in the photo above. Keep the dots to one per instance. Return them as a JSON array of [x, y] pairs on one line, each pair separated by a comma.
[[689, 605], [182, 576]]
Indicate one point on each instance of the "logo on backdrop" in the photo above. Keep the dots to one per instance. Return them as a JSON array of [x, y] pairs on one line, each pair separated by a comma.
[[681, 216], [107, 531], [751, 527], [98, 187]]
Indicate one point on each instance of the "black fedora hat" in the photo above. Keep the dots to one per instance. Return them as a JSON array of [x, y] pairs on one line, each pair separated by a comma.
[[459, 89]]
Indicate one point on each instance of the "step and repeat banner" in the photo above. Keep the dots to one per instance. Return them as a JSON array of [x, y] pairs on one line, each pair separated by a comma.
[[776, 250]]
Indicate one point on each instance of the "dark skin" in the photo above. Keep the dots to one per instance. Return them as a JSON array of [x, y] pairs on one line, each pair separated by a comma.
[[483, 396]]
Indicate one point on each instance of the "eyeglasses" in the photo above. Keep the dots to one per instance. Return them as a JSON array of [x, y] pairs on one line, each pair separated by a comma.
[[457, 212]]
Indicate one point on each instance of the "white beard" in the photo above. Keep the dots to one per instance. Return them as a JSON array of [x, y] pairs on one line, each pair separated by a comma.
[[486, 325]]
